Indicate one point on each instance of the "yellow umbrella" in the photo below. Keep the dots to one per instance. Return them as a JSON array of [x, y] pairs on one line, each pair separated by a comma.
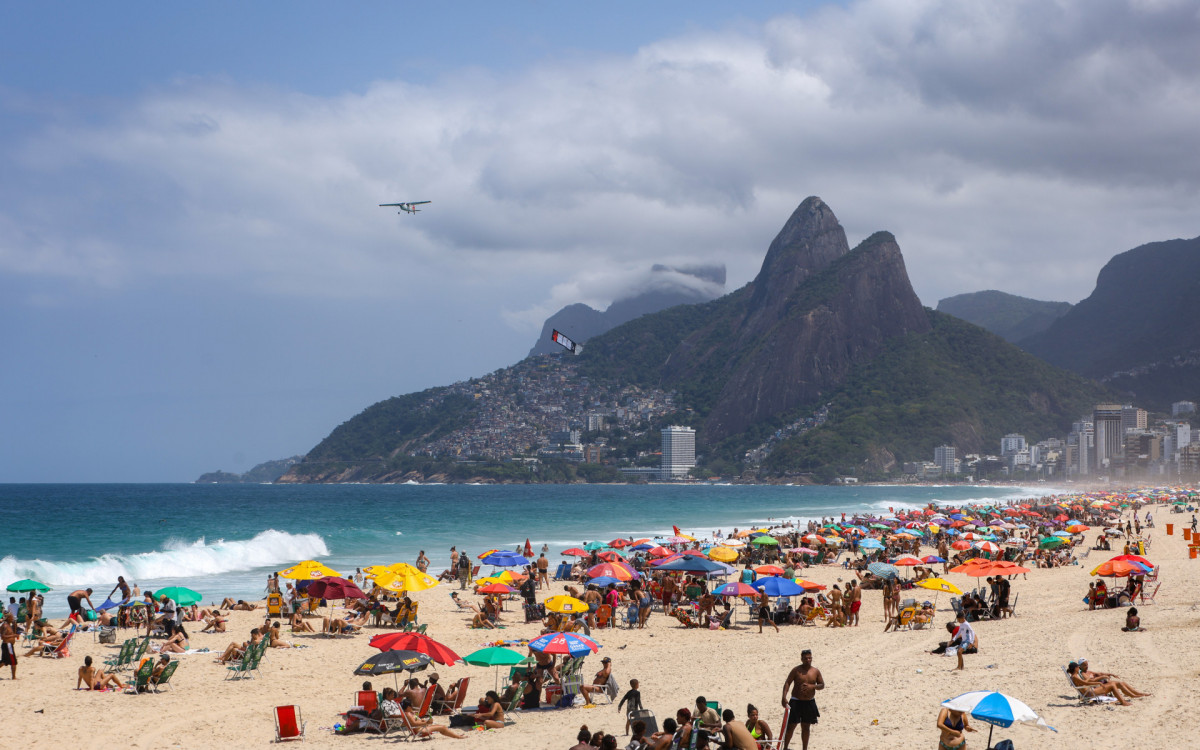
[[309, 570], [939, 584], [405, 581], [565, 604], [722, 554]]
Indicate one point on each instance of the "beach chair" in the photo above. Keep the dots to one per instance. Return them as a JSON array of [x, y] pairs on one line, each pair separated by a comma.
[[123, 658], [165, 677], [604, 616], [141, 678], [460, 693], [1084, 698], [412, 613], [62, 649], [426, 702], [140, 651], [906, 617], [647, 716], [288, 723], [249, 663], [1150, 599]]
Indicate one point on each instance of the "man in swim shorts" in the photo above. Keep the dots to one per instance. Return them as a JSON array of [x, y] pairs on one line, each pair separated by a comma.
[[804, 680], [74, 597], [854, 597], [8, 643]]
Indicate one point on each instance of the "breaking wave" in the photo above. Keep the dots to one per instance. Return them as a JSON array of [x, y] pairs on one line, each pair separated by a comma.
[[177, 559]]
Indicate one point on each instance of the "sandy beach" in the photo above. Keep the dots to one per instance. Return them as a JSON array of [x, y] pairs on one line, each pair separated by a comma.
[[883, 689]]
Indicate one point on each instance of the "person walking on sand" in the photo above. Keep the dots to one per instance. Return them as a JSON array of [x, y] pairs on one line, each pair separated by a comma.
[[804, 681], [764, 612]]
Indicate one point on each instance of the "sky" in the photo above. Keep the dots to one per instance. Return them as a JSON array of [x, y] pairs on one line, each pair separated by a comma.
[[195, 274]]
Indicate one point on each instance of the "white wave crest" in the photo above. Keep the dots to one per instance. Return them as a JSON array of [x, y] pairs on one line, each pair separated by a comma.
[[177, 559]]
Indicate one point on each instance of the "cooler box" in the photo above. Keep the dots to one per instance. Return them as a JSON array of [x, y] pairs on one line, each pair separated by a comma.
[[274, 604]]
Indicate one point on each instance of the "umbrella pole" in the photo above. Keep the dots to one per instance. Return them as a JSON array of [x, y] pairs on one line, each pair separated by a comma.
[[991, 728]]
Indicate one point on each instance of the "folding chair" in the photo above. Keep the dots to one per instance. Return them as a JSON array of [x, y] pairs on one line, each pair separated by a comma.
[[776, 742], [165, 677], [288, 724], [1084, 698]]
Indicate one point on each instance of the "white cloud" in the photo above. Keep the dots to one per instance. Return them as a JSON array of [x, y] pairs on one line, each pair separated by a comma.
[[1012, 145]]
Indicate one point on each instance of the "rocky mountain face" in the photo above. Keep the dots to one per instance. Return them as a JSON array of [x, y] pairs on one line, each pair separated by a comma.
[[1011, 317], [665, 287], [815, 310], [1136, 330]]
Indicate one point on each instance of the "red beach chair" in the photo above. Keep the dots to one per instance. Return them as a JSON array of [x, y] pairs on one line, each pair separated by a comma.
[[288, 724]]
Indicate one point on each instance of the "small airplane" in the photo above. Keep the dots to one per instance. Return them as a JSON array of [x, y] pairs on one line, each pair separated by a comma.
[[408, 208]]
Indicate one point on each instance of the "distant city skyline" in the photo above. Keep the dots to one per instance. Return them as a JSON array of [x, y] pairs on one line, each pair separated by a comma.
[[195, 273]]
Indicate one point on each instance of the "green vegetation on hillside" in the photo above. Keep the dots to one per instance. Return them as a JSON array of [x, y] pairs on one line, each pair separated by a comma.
[[957, 385], [389, 426], [1006, 315]]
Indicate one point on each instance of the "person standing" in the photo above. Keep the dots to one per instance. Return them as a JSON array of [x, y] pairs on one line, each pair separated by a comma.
[[454, 559], [543, 571], [8, 643], [422, 562], [804, 681], [464, 571]]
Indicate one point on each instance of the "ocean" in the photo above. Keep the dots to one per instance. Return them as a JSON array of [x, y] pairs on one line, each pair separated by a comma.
[[224, 540]]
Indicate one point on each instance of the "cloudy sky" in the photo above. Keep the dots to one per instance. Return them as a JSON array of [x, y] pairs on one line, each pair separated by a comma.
[[194, 274]]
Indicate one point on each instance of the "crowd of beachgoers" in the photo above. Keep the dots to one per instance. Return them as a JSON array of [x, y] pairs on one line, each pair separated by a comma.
[[556, 613]]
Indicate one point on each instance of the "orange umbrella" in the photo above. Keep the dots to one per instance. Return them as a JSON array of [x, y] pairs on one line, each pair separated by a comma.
[[769, 570], [809, 585], [909, 561], [1121, 569]]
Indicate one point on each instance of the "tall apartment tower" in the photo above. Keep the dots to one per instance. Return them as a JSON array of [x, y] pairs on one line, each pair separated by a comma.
[[943, 456], [1011, 444], [678, 452], [1133, 418], [1109, 434]]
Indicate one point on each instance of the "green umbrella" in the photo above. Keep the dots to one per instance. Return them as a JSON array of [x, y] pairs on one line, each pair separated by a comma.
[[1051, 541], [765, 539], [181, 595], [27, 584], [494, 656], [595, 546]]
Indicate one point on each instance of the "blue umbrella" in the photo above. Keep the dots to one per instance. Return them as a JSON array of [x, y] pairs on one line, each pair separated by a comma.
[[692, 564], [642, 547], [996, 709], [870, 544], [884, 570], [776, 586], [505, 560], [605, 580]]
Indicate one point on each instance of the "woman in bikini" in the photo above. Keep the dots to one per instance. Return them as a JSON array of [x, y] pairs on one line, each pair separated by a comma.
[[758, 728], [952, 725], [96, 679], [176, 644]]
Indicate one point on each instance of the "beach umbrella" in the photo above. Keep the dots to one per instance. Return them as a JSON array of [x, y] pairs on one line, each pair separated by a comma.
[[722, 554], [619, 570], [883, 570], [405, 581], [1133, 558], [494, 656], [565, 604], [564, 643], [1051, 542], [505, 560], [736, 588], [1121, 569], [808, 585], [577, 552], [909, 561], [495, 588], [637, 547], [769, 570], [25, 585], [181, 595], [334, 588], [991, 547], [308, 570], [765, 541], [418, 642], [619, 543], [692, 565], [939, 584], [960, 544], [997, 709], [814, 538], [604, 581], [591, 546], [870, 543], [775, 586], [929, 559], [393, 662], [659, 552], [610, 555]]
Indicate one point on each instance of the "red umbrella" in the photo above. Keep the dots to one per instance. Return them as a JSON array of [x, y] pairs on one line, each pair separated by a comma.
[[332, 587], [495, 588], [620, 571], [576, 552], [416, 642], [610, 556], [908, 561], [769, 570], [658, 552], [619, 543]]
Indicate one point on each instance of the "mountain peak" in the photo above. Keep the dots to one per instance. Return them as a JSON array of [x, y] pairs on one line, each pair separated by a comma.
[[810, 240]]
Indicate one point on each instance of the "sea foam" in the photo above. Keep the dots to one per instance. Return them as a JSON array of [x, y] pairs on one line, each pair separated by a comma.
[[177, 559]]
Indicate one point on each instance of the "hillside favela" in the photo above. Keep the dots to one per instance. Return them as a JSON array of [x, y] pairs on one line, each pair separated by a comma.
[[813, 375]]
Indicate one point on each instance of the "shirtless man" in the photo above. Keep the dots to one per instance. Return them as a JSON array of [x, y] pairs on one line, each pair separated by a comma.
[[737, 736], [1107, 678], [804, 680], [764, 611], [545, 663], [95, 679], [8, 643], [543, 569], [599, 682], [236, 650], [837, 610], [215, 623], [74, 597]]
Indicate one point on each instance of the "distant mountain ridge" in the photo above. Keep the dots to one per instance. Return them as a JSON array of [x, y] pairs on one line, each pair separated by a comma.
[[666, 287], [1011, 317], [264, 473], [822, 329]]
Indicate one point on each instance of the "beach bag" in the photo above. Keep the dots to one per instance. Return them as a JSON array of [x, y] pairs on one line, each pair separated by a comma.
[[1003, 745], [462, 720], [108, 634], [647, 716], [90, 615]]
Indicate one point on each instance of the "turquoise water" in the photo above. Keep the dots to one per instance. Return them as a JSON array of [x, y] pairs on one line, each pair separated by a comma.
[[225, 539]]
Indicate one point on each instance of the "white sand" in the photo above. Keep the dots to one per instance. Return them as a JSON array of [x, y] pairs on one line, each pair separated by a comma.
[[870, 675]]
